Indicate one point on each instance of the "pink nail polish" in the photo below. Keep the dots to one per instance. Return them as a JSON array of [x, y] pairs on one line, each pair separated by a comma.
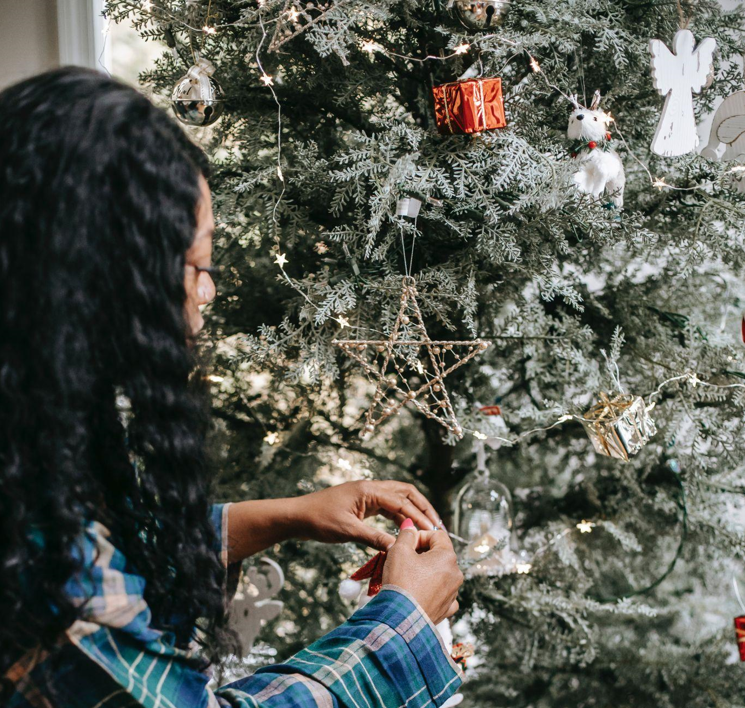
[[407, 524]]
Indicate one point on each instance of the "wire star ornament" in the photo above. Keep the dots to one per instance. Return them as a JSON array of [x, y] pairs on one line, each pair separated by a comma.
[[402, 376]]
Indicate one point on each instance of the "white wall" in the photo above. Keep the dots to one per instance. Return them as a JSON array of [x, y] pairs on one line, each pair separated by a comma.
[[28, 39]]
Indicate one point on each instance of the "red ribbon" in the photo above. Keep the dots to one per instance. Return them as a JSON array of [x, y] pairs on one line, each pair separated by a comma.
[[373, 570], [740, 634], [491, 410]]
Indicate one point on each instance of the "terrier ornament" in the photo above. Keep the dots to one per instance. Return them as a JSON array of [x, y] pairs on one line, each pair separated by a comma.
[[600, 168]]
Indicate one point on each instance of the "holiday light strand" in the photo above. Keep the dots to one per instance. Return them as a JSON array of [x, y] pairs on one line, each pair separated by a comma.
[[524, 565]]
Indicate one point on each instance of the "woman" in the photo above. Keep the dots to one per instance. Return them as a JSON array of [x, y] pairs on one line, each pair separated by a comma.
[[109, 549]]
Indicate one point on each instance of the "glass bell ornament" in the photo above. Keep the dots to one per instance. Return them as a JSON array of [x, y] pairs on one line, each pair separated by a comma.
[[479, 14], [197, 98], [483, 521]]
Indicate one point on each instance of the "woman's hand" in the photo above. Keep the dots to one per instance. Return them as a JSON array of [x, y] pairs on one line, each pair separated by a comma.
[[337, 514], [423, 563]]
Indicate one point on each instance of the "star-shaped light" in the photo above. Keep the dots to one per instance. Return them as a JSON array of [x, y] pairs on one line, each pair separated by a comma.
[[267, 80], [401, 366], [271, 438], [280, 260], [343, 321], [585, 526], [207, 29], [370, 47], [293, 14], [523, 568], [462, 48]]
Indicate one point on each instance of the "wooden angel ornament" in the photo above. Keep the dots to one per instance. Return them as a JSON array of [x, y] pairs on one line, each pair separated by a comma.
[[600, 168], [678, 75]]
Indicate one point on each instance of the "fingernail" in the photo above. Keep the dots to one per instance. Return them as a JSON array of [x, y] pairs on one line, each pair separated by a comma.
[[407, 524]]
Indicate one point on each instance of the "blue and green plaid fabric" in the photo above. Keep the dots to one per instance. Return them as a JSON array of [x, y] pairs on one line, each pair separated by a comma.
[[388, 654]]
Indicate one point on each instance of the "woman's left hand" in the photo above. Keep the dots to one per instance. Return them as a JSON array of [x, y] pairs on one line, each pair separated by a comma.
[[336, 514]]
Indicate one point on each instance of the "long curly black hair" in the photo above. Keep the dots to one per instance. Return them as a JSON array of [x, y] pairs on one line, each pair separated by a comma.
[[98, 190]]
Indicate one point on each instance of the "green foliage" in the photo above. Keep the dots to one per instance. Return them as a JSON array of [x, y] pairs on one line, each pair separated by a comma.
[[505, 247]]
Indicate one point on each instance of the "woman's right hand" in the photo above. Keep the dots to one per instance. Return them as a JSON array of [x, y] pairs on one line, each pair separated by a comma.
[[424, 564]]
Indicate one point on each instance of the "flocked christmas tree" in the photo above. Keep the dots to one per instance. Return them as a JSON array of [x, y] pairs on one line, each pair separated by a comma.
[[602, 581]]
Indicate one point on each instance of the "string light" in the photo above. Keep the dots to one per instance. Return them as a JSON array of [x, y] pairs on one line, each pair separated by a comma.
[[343, 321], [214, 378], [207, 29], [344, 464], [660, 184], [534, 65], [479, 435], [280, 259], [462, 48], [271, 438], [585, 526], [293, 14], [523, 568], [267, 80]]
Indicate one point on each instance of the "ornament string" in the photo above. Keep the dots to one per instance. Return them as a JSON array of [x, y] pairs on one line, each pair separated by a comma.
[[737, 594], [269, 83]]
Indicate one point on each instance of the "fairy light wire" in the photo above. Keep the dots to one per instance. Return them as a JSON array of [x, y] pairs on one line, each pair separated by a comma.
[[270, 85]]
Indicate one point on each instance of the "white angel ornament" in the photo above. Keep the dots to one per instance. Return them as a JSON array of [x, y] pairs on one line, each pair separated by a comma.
[[677, 75]]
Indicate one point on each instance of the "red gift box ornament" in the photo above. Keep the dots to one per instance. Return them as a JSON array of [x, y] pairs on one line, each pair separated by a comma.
[[470, 106], [740, 634]]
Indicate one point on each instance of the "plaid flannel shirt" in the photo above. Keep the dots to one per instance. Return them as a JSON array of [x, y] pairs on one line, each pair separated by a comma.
[[388, 654]]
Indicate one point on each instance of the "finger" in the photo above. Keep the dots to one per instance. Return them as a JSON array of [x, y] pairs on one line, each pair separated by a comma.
[[454, 607], [424, 543], [440, 539], [395, 502], [362, 533], [408, 538], [398, 519], [420, 502], [423, 504]]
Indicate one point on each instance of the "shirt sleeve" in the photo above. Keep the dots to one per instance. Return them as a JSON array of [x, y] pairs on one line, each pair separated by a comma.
[[387, 655], [219, 517]]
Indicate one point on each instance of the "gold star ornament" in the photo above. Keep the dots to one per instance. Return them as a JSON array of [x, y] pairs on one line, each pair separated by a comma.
[[409, 367]]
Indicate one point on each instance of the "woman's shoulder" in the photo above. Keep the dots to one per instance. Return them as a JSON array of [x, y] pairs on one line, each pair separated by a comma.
[[107, 587]]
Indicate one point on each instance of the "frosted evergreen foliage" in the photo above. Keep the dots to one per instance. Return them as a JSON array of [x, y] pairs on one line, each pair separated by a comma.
[[577, 298]]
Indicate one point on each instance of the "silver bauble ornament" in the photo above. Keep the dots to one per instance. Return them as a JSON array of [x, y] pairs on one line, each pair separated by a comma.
[[197, 98], [479, 14]]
